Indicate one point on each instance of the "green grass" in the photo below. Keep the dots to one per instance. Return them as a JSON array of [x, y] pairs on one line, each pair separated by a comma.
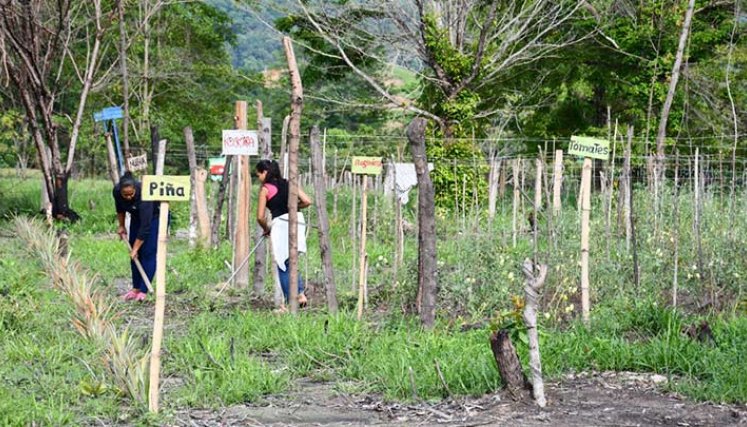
[[45, 362], [220, 354], [647, 338]]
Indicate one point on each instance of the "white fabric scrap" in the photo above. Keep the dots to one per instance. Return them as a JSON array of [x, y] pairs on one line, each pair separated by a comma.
[[281, 242], [406, 176]]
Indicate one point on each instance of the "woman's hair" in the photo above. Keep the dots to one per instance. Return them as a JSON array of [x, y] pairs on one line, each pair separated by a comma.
[[272, 168], [127, 180]]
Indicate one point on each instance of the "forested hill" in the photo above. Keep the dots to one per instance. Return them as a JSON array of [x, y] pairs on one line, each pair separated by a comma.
[[256, 46]]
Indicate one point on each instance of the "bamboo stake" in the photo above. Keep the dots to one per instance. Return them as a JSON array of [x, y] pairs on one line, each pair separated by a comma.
[[160, 309], [353, 230], [557, 178], [585, 229], [362, 251]]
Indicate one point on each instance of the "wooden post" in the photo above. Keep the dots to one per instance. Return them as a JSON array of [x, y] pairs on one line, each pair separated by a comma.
[[628, 189], [495, 172], [294, 132], [215, 225], [538, 188], [676, 229], [113, 174], [283, 156], [502, 184], [427, 283], [337, 186], [160, 309], [260, 252], [203, 218], [362, 250], [189, 141], [537, 205], [557, 182], [696, 217], [241, 237], [325, 248], [517, 195], [233, 184], [353, 229], [585, 216]]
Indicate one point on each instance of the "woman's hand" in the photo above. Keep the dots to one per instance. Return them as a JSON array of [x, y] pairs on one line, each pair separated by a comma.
[[122, 232]]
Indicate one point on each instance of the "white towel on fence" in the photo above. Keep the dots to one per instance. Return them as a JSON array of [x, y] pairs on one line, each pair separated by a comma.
[[280, 240]]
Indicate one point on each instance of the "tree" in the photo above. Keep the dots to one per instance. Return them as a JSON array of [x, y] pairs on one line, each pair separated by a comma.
[[50, 49], [460, 51]]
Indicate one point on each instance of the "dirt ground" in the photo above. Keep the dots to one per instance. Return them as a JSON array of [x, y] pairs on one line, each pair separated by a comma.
[[596, 399], [605, 399]]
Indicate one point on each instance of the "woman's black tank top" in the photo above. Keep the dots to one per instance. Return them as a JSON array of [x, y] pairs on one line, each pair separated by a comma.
[[278, 205]]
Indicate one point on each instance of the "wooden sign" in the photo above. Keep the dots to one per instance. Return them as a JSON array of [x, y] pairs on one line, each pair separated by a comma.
[[589, 147], [166, 188], [240, 142], [137, 163], [367, 165]]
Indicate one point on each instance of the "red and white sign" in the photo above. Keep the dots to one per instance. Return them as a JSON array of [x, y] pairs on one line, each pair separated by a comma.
[[240, 143]]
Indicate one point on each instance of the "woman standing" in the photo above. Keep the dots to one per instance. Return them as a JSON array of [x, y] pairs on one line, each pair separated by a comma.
[[273, 195], [143, 231]]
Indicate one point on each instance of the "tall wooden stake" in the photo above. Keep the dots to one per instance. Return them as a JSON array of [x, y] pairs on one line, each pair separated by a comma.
[[160, 309], [260, 252], [362, 251], [557, 180], [203, 218], [189, 141], [320, 193], [585, 216], [294, 132], [676, 228], [514, 222], [241, 239], [427, 257]]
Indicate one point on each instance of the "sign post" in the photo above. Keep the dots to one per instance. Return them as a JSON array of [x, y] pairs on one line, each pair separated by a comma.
[[241, 143], [587, 148], [164, 189], [364, 166]]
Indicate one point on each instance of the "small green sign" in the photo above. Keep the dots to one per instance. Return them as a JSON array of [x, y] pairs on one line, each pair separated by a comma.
[[589, 147]]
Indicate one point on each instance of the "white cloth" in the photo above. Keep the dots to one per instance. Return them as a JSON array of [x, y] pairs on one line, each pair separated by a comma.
[[281, 242], [406, 179]]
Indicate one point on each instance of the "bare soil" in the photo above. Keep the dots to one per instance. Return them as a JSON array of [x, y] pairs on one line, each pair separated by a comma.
[[589, 399], [603, 399]]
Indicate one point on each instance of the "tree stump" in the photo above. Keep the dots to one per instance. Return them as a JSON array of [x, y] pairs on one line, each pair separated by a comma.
[[508, 363]]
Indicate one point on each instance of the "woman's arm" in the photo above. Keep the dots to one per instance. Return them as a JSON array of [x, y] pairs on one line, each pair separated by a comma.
[[261, 206], [304, 201]]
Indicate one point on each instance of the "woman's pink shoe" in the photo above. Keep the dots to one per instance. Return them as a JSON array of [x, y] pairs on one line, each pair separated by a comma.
[[141, 296], [132, 294]]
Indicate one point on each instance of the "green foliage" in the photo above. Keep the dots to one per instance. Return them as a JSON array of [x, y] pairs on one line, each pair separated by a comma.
[[645, 337], [46, 366]]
